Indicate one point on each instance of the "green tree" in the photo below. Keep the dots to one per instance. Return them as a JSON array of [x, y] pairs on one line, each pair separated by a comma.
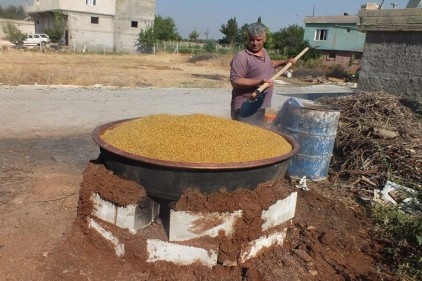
[[209, 46], [146, 39], [13, 13], [165, 29], [13, 34], [289, 39], [231, 32], [193, 36], [56, 33]]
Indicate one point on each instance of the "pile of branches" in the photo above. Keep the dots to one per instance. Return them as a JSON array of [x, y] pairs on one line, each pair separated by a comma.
[[378, 139]]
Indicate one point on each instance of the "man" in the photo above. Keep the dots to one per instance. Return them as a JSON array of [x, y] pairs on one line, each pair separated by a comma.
[[249, 69]]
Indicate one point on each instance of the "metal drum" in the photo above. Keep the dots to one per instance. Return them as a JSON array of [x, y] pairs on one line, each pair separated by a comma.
[[168, 180], [315, 128]]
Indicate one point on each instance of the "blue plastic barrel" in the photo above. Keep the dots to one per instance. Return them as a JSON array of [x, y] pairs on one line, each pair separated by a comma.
[[315, 128]]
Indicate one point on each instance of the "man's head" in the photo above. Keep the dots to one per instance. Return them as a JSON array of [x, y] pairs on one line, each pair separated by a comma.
[[256, 37]]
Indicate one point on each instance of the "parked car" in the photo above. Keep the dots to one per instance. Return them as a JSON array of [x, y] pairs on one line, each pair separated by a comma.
[[36, 39]]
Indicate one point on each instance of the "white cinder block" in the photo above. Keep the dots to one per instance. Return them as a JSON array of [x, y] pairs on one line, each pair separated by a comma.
[[180, 254], [254, 247], [131, 217], [126, 218], [280, 212], [119, 248], [186, 225], [104, 210]]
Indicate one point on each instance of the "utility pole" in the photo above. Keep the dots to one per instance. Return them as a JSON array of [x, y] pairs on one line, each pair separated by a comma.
[[206, 34]]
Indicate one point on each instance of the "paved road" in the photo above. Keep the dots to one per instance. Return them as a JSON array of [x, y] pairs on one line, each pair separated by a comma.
[[41, 111]]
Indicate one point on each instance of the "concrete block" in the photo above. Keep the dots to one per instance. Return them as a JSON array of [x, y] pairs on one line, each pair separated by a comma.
[[103, 209], [186, 225], [253, 248], [119, 248], [134, 217], [159, 250], [282, 211], [131, 217]]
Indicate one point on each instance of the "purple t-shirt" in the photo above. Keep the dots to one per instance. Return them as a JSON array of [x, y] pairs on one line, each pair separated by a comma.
[[247, 65]]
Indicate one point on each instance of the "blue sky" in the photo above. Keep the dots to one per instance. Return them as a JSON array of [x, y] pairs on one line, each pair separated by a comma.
[[209, 15]]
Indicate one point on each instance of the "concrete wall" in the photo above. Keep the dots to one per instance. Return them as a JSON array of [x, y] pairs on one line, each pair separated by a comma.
[[392, 63], [114, 31], [392, 54], [128, 11], [104, 7], [95, 37]]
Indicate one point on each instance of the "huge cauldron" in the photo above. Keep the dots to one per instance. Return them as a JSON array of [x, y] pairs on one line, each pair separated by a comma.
[[168, 180]]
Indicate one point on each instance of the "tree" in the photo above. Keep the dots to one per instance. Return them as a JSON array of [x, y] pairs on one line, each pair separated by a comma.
[[146, 39], [13, 34], [231, 32], [194, 35], [13, 13], [57, 32], [165, 29], [290, 41]]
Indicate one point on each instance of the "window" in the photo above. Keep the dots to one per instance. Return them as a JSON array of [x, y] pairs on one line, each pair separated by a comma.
[[91, 2], [94, 20], [321, 34], [134, 24]]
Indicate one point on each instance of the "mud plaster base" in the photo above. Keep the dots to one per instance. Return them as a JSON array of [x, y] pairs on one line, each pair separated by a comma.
[[97, 179], [330, 239]]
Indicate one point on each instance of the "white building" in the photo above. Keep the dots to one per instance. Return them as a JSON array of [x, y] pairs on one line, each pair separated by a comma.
[[98, 25]]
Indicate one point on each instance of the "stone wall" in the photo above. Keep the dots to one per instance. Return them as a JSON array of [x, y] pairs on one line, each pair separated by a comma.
[[392, 63], [392, 54]]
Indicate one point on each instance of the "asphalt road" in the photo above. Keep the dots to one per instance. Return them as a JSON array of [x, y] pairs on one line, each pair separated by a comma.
[[45, 111]]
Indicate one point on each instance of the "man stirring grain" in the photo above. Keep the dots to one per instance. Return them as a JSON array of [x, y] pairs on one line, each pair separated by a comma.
[[249, 69]]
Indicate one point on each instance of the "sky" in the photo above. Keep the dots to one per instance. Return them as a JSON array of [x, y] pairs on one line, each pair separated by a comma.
[[207, 16]]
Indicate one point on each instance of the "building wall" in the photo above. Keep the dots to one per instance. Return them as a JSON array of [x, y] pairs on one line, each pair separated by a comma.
[[105, 7], [392, 55], [128, 11], [342, 35], [93, 37], [114, 31], [392, 63], [350, 60]]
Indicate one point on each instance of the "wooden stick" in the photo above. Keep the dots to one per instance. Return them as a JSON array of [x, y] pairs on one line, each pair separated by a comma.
[[275, 76]]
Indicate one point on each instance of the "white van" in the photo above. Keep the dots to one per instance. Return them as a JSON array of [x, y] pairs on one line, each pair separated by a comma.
[[36, 39]]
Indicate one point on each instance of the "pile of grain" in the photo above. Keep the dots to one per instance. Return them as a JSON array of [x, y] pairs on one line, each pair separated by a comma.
[[195, 138]]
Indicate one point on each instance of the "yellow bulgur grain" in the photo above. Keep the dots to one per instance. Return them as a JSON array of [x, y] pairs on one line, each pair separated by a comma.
[[195, 138]]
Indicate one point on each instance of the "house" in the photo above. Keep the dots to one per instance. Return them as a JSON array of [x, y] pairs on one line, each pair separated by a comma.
[[393, 51], [96, 25], [337, 38]]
